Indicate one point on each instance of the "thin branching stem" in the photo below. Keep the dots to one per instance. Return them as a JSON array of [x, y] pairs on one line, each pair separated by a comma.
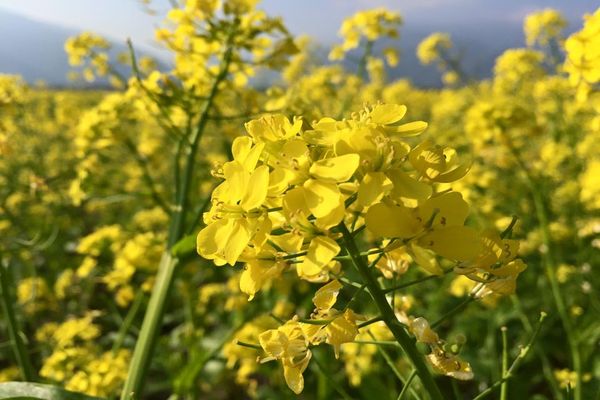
[[389, 317], [510, 373]]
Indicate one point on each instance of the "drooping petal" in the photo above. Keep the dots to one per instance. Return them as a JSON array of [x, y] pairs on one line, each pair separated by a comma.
[[341, 330]]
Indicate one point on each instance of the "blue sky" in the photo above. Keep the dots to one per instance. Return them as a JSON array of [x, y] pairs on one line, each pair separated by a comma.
[[120, 19]]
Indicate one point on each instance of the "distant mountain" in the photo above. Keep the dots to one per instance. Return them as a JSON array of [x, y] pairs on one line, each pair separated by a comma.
[[35, 50]]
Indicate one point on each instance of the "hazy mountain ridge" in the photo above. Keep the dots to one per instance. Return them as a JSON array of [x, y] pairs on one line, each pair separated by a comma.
[[34, 49]]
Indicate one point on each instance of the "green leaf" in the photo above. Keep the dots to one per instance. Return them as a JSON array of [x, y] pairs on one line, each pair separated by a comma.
[[27, 390], [185, 246]]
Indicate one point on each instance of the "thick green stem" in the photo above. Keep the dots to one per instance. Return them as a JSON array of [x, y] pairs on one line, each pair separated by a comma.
[[144, 347], [12, 324], [387, 314], [145, 344]]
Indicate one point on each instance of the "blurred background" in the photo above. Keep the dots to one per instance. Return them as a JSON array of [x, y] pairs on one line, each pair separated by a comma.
[[33, 32]]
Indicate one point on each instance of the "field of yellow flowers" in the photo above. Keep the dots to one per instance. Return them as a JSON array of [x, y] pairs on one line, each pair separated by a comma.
[[337, 235]]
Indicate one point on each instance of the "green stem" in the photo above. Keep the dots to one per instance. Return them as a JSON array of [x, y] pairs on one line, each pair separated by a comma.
[[377, 342], [144, 347], [454, 311], [504, 386], [510, 373], [390, 362], [145, 344], [416, 281], [128, 321], [407, 384], [19, 350], [388, 316], [546, 366]]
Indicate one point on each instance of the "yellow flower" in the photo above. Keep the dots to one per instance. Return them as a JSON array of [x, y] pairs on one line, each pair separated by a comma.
[[543, 26], [288, 344], [236, 217], [432, 47]]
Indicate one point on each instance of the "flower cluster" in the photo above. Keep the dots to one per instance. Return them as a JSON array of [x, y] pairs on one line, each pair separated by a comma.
[[583, 55], [369, 25], [544, 26], [292, 184]]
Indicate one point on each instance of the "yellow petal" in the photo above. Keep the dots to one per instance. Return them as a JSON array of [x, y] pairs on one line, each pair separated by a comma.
[[385, 114], [290, 242], [459, 243], [450, 207], [338, 169], [321, 197], [392, 221], [423, 332], [279, 181], [410, 129], [211, 239], [273, 342], [333, 218], [256, 189], [256, 274], [326, 296], [320, 252], [406, 186], [340, 330], [237, 241], [236, 178], [245, 153], [425, 259], [372, 188], [513, 268], [293, 376], [450, 365]]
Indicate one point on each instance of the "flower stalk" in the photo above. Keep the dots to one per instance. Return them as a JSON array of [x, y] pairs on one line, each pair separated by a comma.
[[387, 314]]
